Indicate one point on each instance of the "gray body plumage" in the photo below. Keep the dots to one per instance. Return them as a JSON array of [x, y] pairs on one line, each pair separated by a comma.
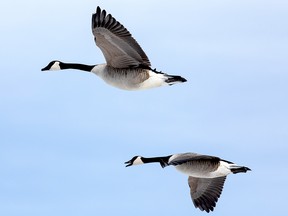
[[128, 79], [195, 164]]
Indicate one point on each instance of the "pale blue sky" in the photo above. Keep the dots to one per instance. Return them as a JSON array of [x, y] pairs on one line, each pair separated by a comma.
[[64, 136]]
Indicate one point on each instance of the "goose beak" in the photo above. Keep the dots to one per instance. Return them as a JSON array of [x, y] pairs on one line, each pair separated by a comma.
[[129, 163], [45, 68]]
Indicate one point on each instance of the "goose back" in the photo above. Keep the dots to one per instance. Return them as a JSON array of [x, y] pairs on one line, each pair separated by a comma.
[[195, 164]]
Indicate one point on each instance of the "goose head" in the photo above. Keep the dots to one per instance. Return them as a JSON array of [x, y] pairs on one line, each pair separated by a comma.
[[136, 160], [53, 65]]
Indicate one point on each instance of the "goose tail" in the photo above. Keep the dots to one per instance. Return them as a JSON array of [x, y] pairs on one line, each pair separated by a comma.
[[171, 79], [239, 169]]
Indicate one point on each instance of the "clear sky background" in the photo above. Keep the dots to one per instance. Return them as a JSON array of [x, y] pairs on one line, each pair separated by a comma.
[[65, 135]]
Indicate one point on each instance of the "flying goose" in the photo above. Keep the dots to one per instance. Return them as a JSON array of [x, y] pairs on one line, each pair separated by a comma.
[[127, 66], [206, 173]]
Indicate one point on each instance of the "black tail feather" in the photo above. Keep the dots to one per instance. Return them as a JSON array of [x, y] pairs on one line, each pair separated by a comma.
[[240, 170], [173, 79]]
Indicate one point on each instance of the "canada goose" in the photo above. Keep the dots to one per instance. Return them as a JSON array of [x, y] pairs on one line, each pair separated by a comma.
[[127, 66], [207, 174]]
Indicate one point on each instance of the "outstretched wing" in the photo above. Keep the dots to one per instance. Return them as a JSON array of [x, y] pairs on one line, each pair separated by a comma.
[[205, 191], [118, 46]]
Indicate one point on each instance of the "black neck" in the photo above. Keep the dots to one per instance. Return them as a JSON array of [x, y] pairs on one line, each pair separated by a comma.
[[162, 160], [76, 66]]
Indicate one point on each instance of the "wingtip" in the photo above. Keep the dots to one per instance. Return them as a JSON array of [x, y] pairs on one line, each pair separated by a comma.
[[99, 10]]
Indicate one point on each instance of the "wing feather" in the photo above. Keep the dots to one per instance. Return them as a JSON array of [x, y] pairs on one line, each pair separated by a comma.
[[205, 191], [118, 46]]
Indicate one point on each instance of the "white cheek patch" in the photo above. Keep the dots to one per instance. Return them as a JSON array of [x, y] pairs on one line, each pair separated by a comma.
[[55, 66], [138, 161]]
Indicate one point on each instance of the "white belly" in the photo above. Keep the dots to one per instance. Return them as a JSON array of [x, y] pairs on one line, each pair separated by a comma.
[[155, 80], [222, 170]]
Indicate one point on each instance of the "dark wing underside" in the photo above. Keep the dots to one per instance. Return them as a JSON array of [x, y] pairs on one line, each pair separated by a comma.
[[118, 46], [205, 191]]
